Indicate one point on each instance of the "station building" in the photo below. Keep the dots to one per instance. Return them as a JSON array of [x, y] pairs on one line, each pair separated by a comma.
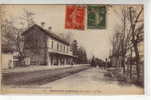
[[43, 47]]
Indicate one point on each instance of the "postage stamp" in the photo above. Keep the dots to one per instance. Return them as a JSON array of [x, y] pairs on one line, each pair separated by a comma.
[[75, 16], [96, 18]]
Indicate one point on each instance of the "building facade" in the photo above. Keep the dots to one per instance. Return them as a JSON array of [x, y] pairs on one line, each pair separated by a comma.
[[43, 47]]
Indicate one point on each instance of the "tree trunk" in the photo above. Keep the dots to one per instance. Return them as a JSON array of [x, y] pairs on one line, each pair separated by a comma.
[[130, 71], [131, 65], [137, 61], [123, 64], [134, 41]]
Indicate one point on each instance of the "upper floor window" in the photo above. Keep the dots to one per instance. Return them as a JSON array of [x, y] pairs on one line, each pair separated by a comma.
[[64, 48], [52, 44], [67, 49], [60, 47], [57, 46]]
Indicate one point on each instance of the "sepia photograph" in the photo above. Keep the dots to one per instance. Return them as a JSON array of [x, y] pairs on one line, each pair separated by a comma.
[[81, 49]]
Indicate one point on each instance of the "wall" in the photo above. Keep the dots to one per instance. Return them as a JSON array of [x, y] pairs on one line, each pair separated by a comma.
[[6, 59], [35, 46]]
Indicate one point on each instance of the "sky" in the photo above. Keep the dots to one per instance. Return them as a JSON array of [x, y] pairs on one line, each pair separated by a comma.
[[97, 42]]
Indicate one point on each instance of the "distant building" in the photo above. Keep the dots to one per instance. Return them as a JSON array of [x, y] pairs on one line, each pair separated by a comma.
[[42, 47]]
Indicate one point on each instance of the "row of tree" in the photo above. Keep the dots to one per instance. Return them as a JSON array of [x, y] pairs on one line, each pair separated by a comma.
[[79, 52], [128, 34]]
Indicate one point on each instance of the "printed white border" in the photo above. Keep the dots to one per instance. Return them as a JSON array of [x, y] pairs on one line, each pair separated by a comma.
[[147, 53], [147, 7], [72, 1]]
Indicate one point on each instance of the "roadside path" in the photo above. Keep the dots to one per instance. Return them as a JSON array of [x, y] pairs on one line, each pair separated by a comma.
[[91, 80]]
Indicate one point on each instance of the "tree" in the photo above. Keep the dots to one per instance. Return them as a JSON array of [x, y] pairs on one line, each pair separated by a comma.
[[136, 32], [124, 38], [129, 34], [8, 31], [74, 46], [82, 56], [79, 52], [11, 34], [27, 18]]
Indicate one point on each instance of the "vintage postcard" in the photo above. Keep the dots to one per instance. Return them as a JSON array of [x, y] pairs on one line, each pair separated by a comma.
[[92, 49]]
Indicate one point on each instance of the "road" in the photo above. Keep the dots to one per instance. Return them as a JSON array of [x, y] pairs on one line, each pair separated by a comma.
[[85, 79], [93, 79]]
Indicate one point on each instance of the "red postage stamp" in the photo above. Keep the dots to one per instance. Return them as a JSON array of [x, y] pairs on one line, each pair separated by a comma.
[[74, 17]]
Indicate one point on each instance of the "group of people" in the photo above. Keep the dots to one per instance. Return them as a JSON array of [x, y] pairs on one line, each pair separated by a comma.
[[99, 64]]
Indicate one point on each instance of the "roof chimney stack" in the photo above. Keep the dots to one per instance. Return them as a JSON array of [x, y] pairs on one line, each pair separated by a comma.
[[49, 28], [43, 24]]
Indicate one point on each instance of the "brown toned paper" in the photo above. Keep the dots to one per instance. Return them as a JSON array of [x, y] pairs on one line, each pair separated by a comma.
[[85, 49]]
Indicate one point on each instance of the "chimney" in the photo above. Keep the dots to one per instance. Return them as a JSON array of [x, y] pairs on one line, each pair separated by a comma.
[[49, 29], [43, 24]]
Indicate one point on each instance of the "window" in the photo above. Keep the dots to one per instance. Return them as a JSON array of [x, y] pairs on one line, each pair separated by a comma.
[[64, 48], [52, 44], [57, 46], [60, 47], [67, 49]]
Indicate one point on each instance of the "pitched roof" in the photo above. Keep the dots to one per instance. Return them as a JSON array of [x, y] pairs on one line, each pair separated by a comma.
[[50, 34]]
